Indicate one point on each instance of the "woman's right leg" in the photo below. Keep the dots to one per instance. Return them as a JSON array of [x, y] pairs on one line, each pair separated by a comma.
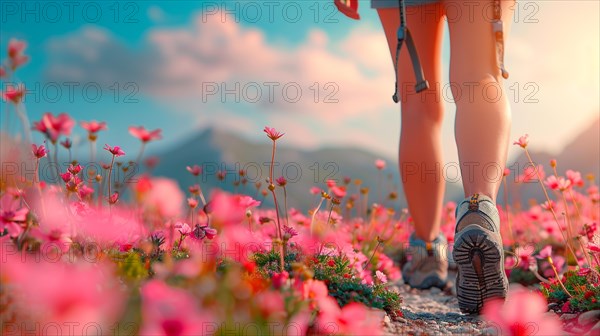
[[420, 153]]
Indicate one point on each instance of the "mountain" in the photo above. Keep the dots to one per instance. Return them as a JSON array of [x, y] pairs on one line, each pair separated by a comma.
[[581, 154], [218, 150]]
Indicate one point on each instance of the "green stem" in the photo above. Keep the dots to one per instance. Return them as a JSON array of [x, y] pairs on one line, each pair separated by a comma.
[[287, 222], [550, 203], [109, 179]]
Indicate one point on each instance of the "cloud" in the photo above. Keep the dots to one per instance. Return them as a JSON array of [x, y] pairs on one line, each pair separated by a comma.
[[156, 14], [212, 56], [179, 65]]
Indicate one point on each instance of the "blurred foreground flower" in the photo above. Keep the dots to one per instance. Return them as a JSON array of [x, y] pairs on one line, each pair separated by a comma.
[[522, 314]]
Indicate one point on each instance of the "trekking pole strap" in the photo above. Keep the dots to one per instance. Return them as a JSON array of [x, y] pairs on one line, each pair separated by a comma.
[[404, 34]]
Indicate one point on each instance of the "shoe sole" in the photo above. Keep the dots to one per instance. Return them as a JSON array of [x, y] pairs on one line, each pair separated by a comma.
[[481, 275]]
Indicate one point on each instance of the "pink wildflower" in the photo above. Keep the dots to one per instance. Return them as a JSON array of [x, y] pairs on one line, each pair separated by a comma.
[[522, 310], [39, 152], [116, 151], [13, 94], [523, 141], [272, 133], [93, 126], [145, 135], [54, 126], [194, 170]]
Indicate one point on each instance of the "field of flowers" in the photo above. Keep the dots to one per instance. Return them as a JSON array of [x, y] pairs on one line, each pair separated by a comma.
[[101, 255]]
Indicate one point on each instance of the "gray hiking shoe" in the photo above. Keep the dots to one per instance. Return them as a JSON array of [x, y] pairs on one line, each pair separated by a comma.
[[478, 254], [429, 264]]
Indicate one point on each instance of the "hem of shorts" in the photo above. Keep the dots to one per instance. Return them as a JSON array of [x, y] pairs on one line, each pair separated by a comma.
[[396, 5]]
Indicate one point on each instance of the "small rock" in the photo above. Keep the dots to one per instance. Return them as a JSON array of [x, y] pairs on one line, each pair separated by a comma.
[[490, 331], [400, 320], [387, 321], [461, 330], [589, 317], [435, 290], [566, 317]]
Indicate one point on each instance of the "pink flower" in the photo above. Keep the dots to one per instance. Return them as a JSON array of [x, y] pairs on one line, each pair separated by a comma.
[[171, 311], [2, 72], [339, 192], [557, 183], [116, 151], [226, 209], [63, 294], [53, 127], [545, 253], [314, 290], [272, 133], [315, 190], [524, 253], [530, 173], [192, 202], [85, 191], [279, 279], [548, 205], [15, 53], [201, 232], [145, 135], [575, 178], [73, 183], [289, 232], [566, 307], [67, 143], [281, 181], [270, 304], [39, 152], [195, 170], [13, 94], [183, 228], [352, 319], [593, 247], [506, 172], [380, 164], [584, 271], [523, 312], [247, 201], [381, 277], [114, 198], [11, 216], [66, 176], [75, 169], [164, 197], [523, 141], [331, 183], [93, 126]]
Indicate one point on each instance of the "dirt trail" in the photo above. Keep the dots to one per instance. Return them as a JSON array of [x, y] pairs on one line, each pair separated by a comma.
[[434, 312]]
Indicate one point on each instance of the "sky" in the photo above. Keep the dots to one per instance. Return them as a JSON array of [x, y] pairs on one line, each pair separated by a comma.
[[298, 66]]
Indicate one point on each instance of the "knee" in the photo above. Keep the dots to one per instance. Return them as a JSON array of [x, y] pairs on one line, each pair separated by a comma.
[[469, 87], [426, 106]]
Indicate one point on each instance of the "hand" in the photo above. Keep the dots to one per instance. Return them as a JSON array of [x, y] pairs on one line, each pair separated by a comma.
[[348, 8]]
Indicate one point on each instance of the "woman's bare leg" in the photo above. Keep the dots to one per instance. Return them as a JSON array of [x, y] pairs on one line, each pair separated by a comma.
[[482, 110], [420, 139]]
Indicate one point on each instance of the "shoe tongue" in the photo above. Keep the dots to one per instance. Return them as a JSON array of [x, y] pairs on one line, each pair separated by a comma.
[[469, 212]]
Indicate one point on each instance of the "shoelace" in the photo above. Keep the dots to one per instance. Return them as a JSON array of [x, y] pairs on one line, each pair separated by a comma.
[[404, 34]]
